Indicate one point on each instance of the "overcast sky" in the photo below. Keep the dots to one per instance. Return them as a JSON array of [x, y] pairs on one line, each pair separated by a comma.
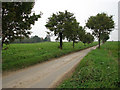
[[82, 10]]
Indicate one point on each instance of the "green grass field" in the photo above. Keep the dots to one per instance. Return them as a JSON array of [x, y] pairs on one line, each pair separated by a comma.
[[23, 55], [99, 69]]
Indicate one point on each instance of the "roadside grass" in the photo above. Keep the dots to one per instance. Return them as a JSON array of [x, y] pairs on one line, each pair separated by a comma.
[[19, 56], [99, 69]]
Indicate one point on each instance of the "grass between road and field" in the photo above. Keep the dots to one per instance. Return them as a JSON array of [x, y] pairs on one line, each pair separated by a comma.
[[23, 55], [99, 69]]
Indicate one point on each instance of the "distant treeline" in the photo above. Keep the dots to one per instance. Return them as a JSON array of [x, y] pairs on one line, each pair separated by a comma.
[[33, 39]]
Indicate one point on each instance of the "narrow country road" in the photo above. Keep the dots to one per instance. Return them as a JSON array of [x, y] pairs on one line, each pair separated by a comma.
[[46, 74]]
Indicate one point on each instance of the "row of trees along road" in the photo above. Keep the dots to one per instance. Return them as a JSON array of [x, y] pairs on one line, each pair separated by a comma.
[[17, 18], [65, 25]]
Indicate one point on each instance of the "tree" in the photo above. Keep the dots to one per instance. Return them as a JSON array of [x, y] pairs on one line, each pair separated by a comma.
[[17, 20], [47, 38], [104, 37], [84, 40], [101, 23], [57, 23], [71, 32], [89, 38], [36, 39], [81, 33], [49, 34], [32, 39]]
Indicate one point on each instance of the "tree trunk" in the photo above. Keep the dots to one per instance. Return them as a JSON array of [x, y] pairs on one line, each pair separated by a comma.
[[99, 40], [73, 43], [60, 40]]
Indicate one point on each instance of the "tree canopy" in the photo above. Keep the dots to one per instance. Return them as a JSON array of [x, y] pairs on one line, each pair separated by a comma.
[[81, 33], [59, 23], [17, 18], [89, 38], [101, 23], [71, 32], [104, 37], [64, 25], [33, 39]]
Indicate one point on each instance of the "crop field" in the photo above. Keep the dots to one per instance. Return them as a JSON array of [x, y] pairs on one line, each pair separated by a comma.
[[23, 55], [99, 69]]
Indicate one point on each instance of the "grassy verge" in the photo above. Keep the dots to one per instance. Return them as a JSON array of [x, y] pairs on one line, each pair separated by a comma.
[[23, 55], [99, 69]]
